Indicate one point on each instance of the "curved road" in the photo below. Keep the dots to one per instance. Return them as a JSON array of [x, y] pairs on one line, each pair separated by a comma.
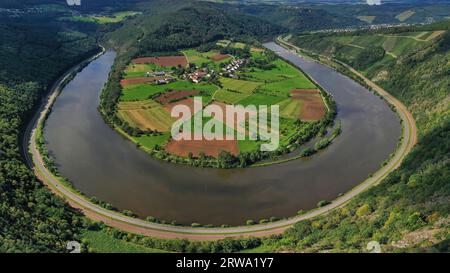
[[139, 226]]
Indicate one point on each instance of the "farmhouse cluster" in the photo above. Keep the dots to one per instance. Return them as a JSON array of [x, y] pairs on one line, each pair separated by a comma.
[[159, 77], [153, 86], [198, 75], [233, 67]]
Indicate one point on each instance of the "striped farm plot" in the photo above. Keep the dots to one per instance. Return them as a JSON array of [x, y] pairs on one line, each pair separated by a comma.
[[290, 108], [282, 88], [235, 90], [146, 115], [140, 70], [434, 35], [405, 15]]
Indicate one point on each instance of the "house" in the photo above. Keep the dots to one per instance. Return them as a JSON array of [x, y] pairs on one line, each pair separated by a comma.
[[159, 73], [198, 75], [234, 66], [166, 80]]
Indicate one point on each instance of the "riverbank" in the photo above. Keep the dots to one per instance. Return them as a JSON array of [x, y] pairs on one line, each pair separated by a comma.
[[400, 108], [134, 225], [139, 226]]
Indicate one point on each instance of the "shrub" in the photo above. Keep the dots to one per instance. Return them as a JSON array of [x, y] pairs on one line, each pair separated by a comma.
[[323, 203]]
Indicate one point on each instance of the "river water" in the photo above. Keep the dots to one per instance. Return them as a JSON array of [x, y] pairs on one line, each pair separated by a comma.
[[101, 163]]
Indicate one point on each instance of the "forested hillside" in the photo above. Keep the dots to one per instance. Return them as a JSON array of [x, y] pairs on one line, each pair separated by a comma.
[[297, 18], [407, 211], [34, 50], [188, 26], [410, 209]]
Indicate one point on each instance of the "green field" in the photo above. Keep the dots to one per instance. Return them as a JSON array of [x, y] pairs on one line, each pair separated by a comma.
[[405, 15], [102, 242], [235, 90], [223, 43], [201, 58], [151, 141], [282, 71], [290, 108], [248, 146], [266, 84], [351, 47], [238, 45], [239, 85], [260, 99], [144, 91], [367, 18], [198, 58], [114, 18], [283, 88], [140, 70], [146, 114]]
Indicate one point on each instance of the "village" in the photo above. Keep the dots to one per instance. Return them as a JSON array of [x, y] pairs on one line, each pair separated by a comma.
[[196, 74]]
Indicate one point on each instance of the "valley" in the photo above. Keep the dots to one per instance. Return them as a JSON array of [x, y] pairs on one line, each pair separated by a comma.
[[94, 97]]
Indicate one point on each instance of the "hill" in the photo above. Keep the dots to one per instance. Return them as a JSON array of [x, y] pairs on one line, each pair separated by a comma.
[[188, 26], [297, 18], [392, 13], [409, 210], [34, 50]]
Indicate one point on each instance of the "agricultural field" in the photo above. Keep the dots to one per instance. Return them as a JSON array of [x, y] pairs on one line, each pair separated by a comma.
[[103, 19], [260, 99], [367, 19], [234, 90], [140, 70], [290, 108], [102, 242], [354, 49], [238, 45], [195, 147], [146, 115], [281, 71], [151, 141], [223, 43], [262, 79], [144, 91], [285, 86], [405, 15], [211, 59], [164, 61]]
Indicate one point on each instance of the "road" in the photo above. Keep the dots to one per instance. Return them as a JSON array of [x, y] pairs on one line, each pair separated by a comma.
[[138, 226]]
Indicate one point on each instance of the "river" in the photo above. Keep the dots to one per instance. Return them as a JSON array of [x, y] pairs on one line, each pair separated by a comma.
[[101, 163]]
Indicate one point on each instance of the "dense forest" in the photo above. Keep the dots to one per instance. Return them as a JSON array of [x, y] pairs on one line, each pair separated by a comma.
[[189, 26], [34, 51], [298, 18], [36, 47], [409, 210]]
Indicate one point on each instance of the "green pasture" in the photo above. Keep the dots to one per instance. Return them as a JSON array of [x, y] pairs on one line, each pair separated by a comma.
[[282, 71], [283, 88], [260, 99], [102, 242], [144, 91], [152, 140], [290, 108]]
